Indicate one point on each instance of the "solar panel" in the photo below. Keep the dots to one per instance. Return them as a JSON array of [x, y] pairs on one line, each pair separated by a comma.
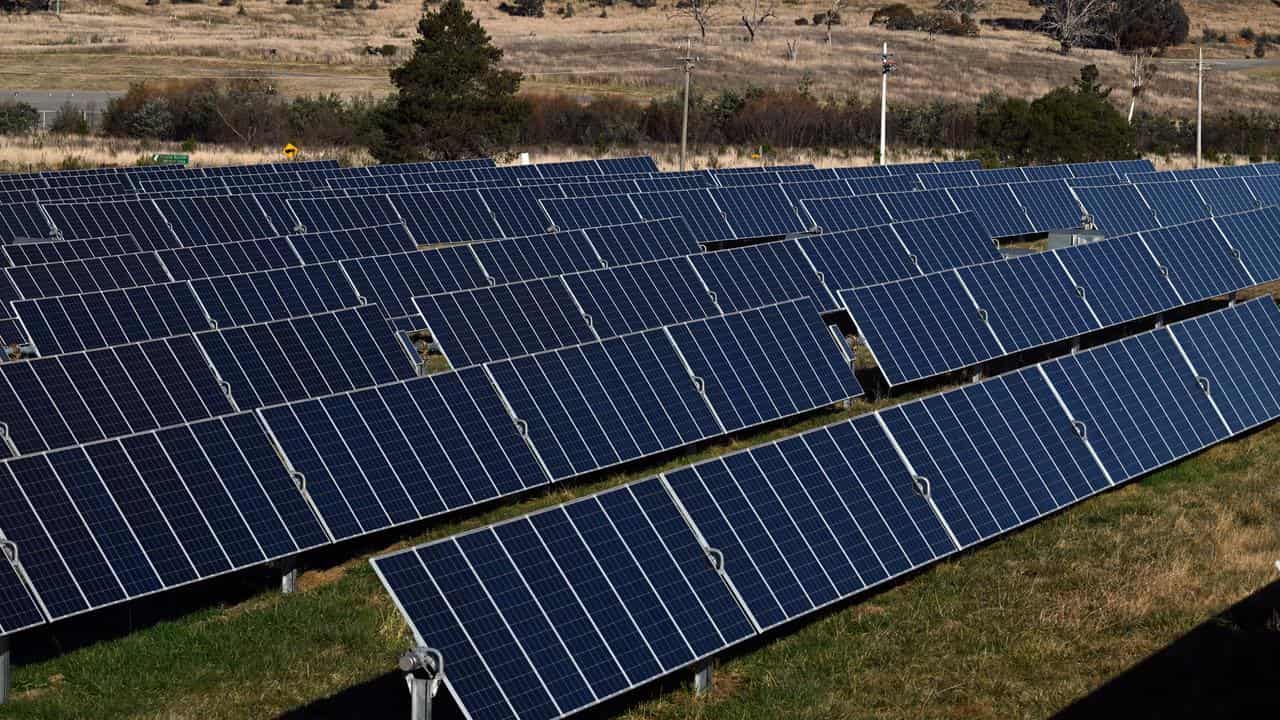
[[811, 519], [518, 210], [139, 218], [696, 207], [1174, 202], [1049, 204], [835, 187], [1253, 235], [304, 357], [763, 364], [343, 213], [83, 322], [76, 398], [275, 294], [885, 184], [947, 180], [1123, 167], [400, 452], [848, 213], [1267, 168], [636, 297], [1000, 176], [642, 241], [637, 164], [1092, 169], [918, 204], [586, 212], [1009, 456], [356, 242], [854, 258], [597, 405], [493, 323], [446, 217], [591, 188], [24, 221], [921, 327], [756, 275], [688, 181], [276, 206], [1230, 171], [946, 242], [1266, 189], [204, 220], [734, 180], [392, 281], [18, 608], [552, 613], [1094, 181], [997, 208], [763, 211], [1226, 195], [1200, 263], [536, 256], [1029, 301], [865, 171], [1116, 209], [1137, 402], [231, 258], [119, 519], [1120, 278], [1047, 172], [72, 277]]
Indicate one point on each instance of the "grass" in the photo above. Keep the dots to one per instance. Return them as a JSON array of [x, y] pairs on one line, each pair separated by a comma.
[[1019, 628]]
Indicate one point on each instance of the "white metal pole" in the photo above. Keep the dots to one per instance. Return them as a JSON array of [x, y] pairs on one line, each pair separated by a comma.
[[884, 103], [684, 118], [1199, 105], [6, 680]]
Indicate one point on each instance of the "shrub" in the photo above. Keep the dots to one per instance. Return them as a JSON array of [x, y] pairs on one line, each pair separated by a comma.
[[69, 120], [1248, 34], [896, 14], [802, 21], [345, 5], [1260, 48], [523, 8], [822, 17], [18, 118]]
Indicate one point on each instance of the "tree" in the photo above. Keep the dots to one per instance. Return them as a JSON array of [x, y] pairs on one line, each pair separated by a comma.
[[701, 12], [832, 16], [1142, 24], [1142, 70], [1072, 22], [962, 7], [754, 15], [452, 99]]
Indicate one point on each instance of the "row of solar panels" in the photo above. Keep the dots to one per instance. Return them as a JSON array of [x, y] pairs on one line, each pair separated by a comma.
[[150, 466], [1122, 209], [542, 616], [921, 327], [1134, 171]]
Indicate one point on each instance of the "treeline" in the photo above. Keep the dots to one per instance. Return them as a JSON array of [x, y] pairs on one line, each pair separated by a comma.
[[1068, 124]]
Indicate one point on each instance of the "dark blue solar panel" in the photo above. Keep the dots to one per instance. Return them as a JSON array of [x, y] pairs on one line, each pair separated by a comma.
[[400, 452], [25, 221], [1049, 204], [1116, 209], [76, 398], [356, 242], [73, 277], [139, 218], [585, 212], [445, 217], [763, 211], [1121, 280], [230, 258], [764, 274], [18, 609], [1266, 189], [605, 403], [1000, 176], [204, 220], [885, 184], [848, 213], [592, 188], [1226, 195], [996, 207], [1139, 403], [275, 294], [84, 322], [675, 181], [695, 207], [854, 258], [298, 358], [764, 364], [637, 164], [38, 253], [1174, 202], [1253, 234], [1029, 301], [867, 171], [642, 241], [476, 326], [536, 256], [1238, 351], [920, 327], [836, 187], [1092, 169], [811, 519], [641, 296], [518, 210], [1094, 181], [947, 180], [392, 281], [1047, 172], [995, 455], [1123, 167], [918, 204], [1200, 262], [343, 213], [125, 518], [555, 612], [947, 242]]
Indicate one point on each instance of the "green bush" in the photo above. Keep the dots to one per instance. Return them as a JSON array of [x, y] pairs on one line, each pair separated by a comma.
[[69, 120], [18, 118]]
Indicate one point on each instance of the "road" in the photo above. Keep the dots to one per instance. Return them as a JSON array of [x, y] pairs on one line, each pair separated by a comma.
[[53, 100]]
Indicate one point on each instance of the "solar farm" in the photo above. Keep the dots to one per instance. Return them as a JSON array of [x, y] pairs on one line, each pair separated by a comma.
[[213, 370]]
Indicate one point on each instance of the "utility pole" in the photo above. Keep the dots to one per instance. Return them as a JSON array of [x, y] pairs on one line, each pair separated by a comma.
[[684, 121], [1199, 104], [886, 66]]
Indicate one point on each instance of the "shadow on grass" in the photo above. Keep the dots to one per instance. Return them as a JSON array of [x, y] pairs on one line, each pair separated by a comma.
[[385, 696], [1226, 667]]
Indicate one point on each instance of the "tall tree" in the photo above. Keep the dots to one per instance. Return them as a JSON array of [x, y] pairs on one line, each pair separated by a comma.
[[452, 100]]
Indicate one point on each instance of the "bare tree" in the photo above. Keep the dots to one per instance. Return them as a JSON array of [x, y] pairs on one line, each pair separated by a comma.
[[1072, 22], [701, 12], [1141, 71], [962, 7], [754, 15], [833, 16]]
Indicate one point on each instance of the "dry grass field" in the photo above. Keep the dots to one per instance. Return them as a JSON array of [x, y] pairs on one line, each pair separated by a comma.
[[106, 44]]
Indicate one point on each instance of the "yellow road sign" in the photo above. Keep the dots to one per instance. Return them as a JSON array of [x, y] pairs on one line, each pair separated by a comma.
[[289, 150]]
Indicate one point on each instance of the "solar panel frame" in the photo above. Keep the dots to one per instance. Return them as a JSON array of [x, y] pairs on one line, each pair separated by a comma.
[[1200, 262], [1121, 279], [706, 222], [266, 295], [63, 324], [758, 211], [847, 213], [1174, 203], [230, 258], [587, 212], [1029, 301], [764, 274], [631, 298], [641, 241], [1252, 235], [392, 281], [855, 258]]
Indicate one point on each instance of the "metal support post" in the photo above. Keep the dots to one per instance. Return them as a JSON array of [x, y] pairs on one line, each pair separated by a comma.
[[1075, 346], [422, 693], [886, 66], [289, 575], [702, 679], [6, 677], [1159, 321], [977, 374], [1231, 299], [688, 61]]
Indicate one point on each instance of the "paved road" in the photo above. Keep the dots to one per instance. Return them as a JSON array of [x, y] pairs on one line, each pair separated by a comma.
[[52, 100]]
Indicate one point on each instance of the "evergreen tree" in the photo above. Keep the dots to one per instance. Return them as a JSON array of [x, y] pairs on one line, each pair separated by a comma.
[[453, 101]]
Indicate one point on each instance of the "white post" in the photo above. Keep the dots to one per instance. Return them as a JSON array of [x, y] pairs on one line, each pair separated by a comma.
[[884, 102], [524, 158], [702, 679], [289, 575], [421, 693], [1199, 104], [6, 678], [684, 117]]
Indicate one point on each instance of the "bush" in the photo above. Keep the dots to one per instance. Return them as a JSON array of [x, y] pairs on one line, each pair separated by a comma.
[[896, 14], [18, 118], [69, 120], [821, 18], [345, 5], [523, 8], [1248, 34], [802, 21], [1260, 48]]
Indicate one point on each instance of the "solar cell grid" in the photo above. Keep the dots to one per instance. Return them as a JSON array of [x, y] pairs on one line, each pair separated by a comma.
[[1253, 235], [642, 241], [275, 294], [1200, 262], [884, 184], [706, 221], [1049, 204], [316, 214], [854, 258], [536, 256], [918, 204], [1029, 301], [764, 274], [1226, 195], [355, 242], [763, 211], [72, 277], [446, 217], [586, 212], [847, 213], [139, 218], [518, 210], [996, 208], [1116, 209], [947, 242], [205, 220], [636, 297], [947, 180], [1121, 280], [392, 281], [1238, 351], [230, 258], [83, 322], [1174, 202]]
